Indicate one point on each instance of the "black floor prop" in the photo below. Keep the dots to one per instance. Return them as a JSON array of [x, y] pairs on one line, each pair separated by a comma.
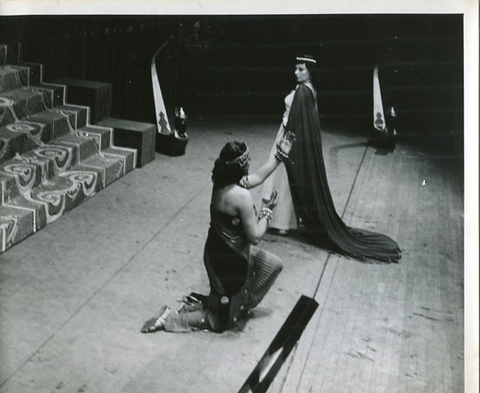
[[281, 346]]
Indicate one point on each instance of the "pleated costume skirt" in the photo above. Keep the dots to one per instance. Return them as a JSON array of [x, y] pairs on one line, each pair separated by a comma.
[[262, 270]]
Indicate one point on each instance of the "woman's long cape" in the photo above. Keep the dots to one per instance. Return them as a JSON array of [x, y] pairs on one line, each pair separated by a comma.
[[311, 194]]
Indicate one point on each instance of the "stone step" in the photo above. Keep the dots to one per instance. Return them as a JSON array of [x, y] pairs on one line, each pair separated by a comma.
[[34, 77], [46, 202], [24, 172], [138, 135], [21, 103], [51, 157], [104, 140], [78, 114], [29, 75], [103, 135], [35, 71], [44, 161], [58, 92], [93, 94], [35, 130], [113, 163], [16, 223], [13, 77]]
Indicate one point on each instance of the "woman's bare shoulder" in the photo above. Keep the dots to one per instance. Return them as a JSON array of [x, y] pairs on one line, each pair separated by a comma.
[[236, 200], [235, 193], [240, 192]]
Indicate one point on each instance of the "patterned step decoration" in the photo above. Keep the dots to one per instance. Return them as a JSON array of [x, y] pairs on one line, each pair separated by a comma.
[[51, 157]]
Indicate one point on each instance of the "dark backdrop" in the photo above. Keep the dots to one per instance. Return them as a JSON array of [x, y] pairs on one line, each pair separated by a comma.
[[243, 65]]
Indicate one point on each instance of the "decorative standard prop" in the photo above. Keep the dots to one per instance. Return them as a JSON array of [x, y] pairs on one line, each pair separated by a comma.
[[174, 144], [169, 141], [384, 131]]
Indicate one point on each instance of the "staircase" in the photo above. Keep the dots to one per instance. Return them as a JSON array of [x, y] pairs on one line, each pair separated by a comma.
[[51, 157]]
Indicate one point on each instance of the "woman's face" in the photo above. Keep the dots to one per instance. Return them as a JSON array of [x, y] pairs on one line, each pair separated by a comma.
[[301, 72]]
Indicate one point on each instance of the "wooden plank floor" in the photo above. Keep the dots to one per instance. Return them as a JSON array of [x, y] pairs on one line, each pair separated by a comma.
[[70, 318], [397, 327]]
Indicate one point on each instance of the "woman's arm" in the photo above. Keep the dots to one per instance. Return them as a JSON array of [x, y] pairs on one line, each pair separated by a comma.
[[261, 174], [254, 227], [283, 149]]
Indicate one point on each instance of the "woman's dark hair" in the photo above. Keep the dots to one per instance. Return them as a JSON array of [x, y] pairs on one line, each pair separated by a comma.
[[311, 65], [224, 172]]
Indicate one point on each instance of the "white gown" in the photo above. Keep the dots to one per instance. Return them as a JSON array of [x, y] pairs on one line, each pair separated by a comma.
[[284, 216]]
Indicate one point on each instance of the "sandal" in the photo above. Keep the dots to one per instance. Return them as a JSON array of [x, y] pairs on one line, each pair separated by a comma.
[[157, 322]]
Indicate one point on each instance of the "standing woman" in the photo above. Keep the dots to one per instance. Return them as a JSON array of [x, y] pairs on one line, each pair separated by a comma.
[[240, 273], [309, 198]]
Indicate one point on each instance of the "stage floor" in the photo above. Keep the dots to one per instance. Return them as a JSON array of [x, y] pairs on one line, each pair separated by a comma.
[[74, 296]]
